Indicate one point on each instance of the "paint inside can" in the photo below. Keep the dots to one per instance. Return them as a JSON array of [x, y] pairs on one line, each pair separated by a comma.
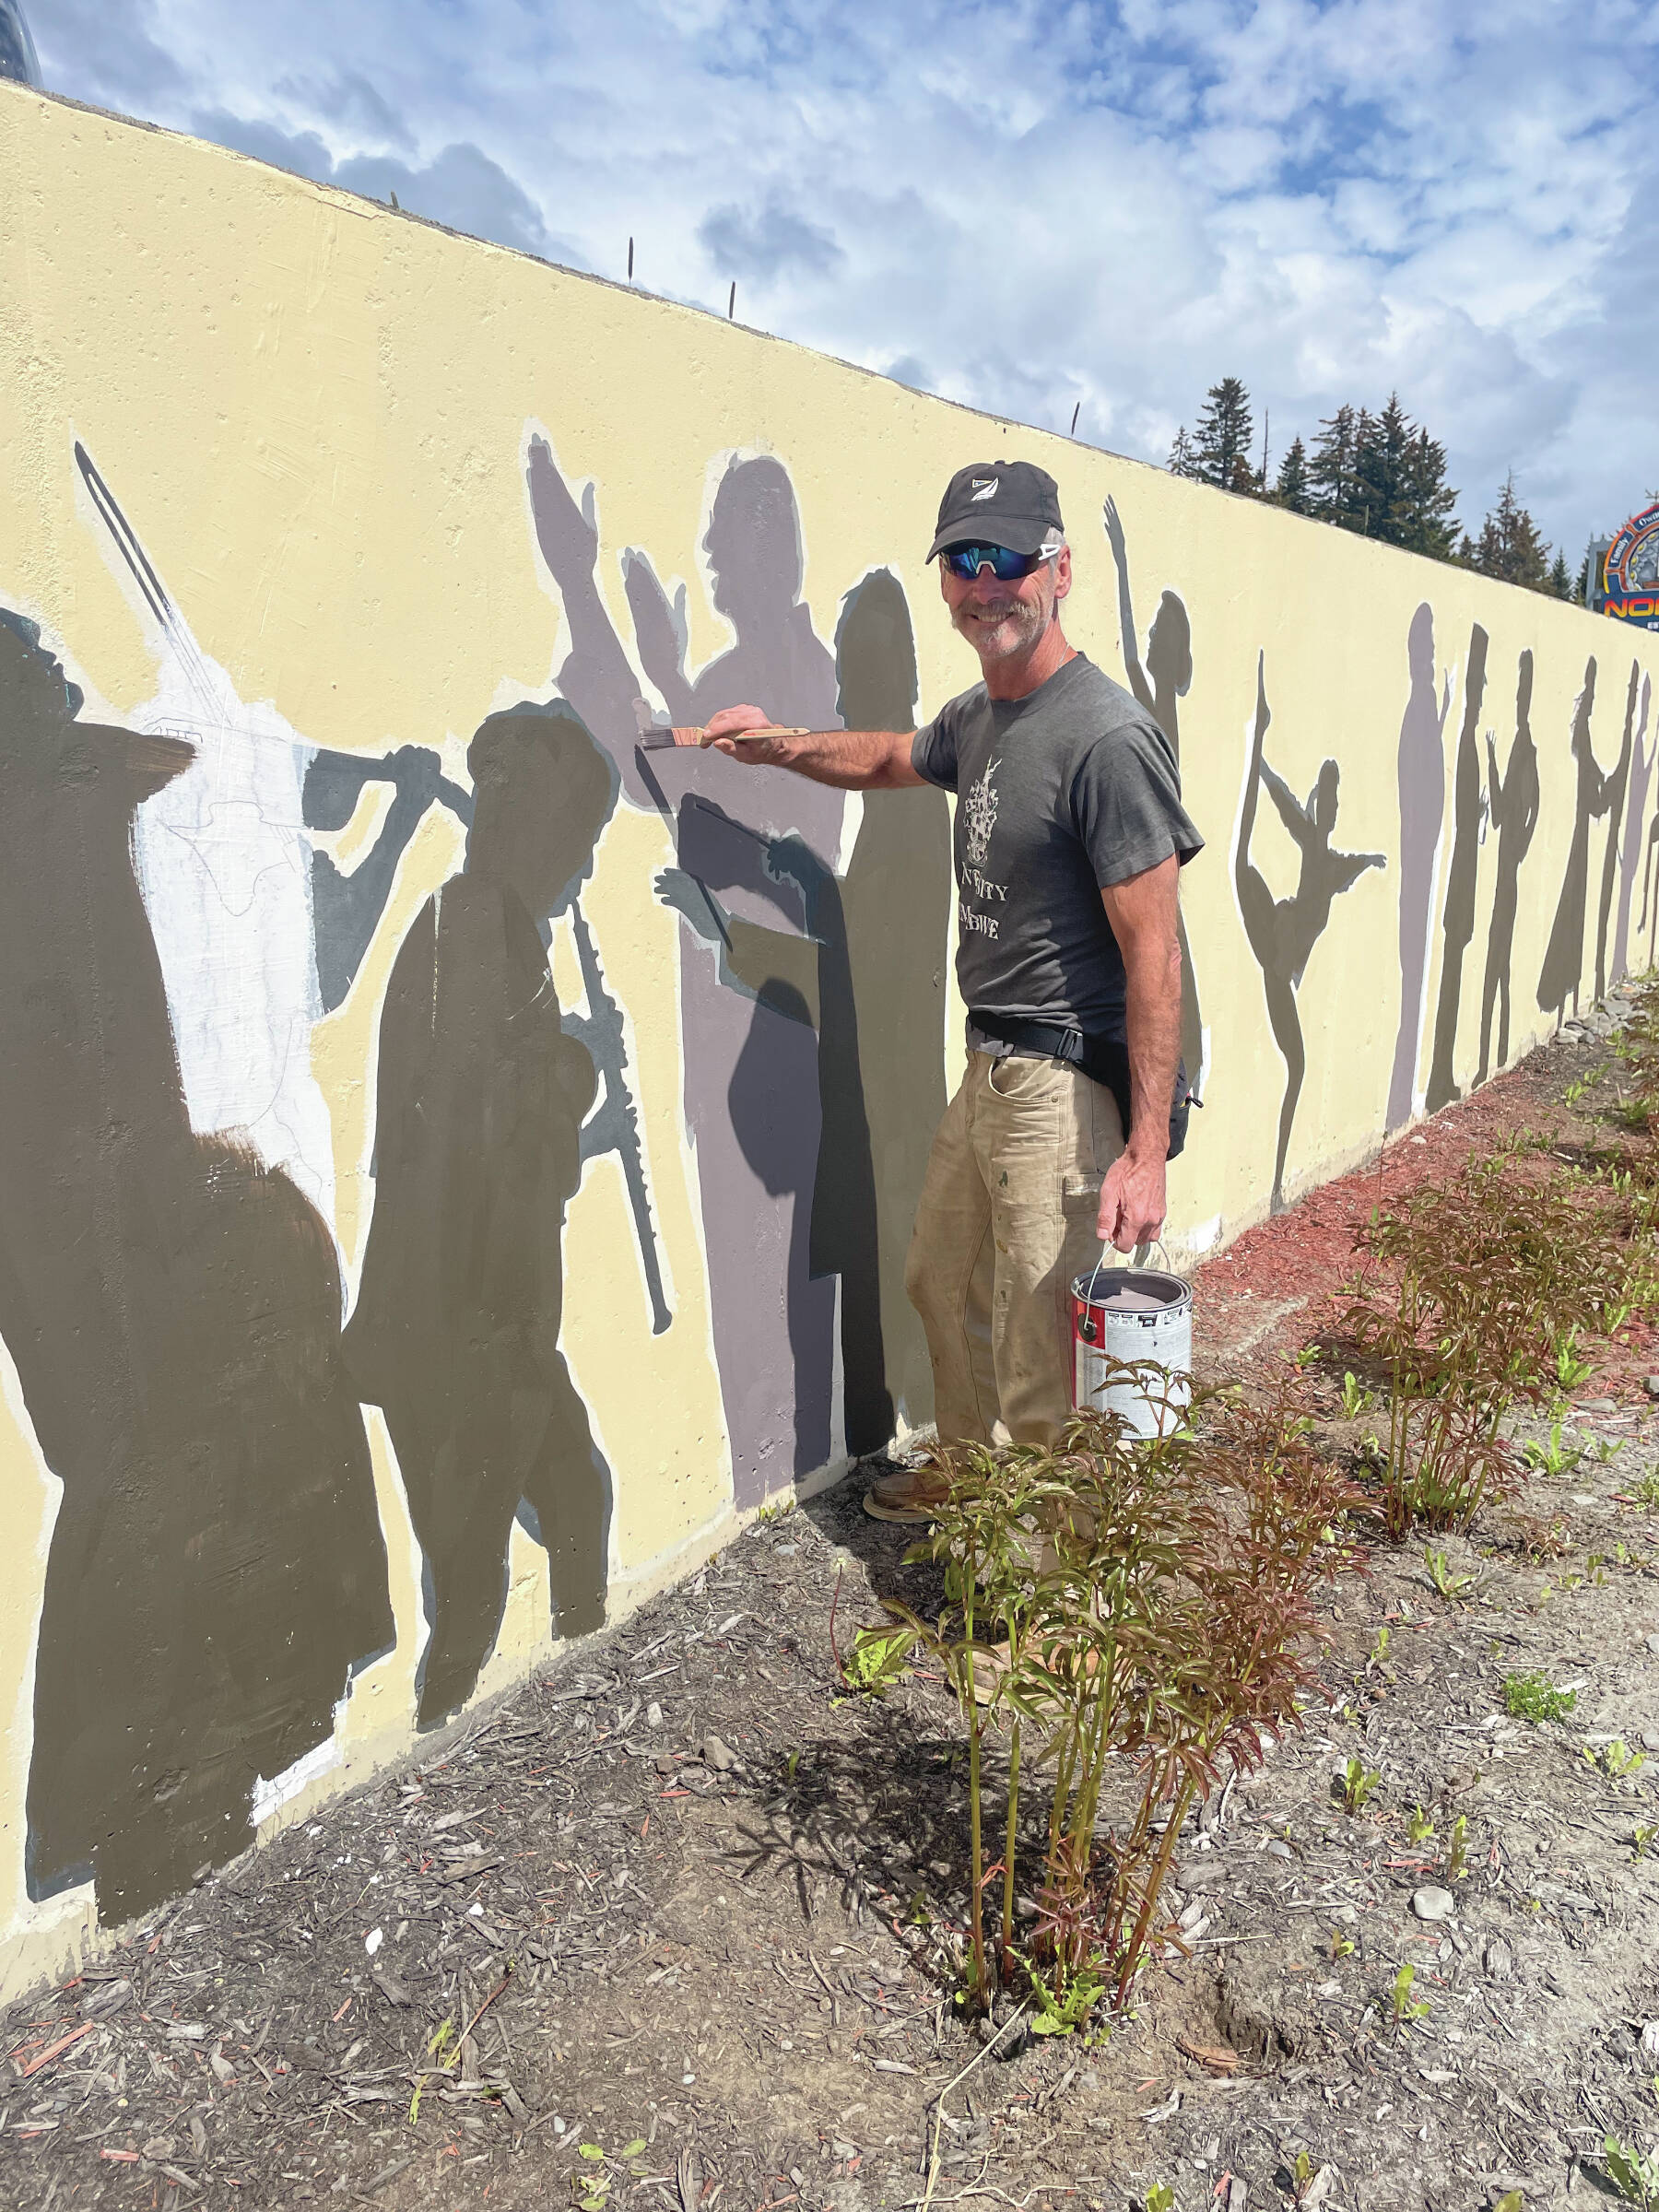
[[1125, 1315]]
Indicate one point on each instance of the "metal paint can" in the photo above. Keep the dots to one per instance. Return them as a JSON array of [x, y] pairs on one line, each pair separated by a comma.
[[1127, 1314]]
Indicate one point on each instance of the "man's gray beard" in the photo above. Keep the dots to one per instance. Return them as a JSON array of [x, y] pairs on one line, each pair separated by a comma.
[[1030, 621]]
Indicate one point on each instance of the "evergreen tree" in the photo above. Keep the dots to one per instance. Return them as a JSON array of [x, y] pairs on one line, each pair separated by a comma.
[[1561, 581], [1180, 455], [1381, 443], [1426, 515], [1510, 547], [1331, 468], [1224, 436], [1293, 489]]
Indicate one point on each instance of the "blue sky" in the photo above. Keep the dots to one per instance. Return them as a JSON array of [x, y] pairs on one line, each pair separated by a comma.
[[1025, 207]]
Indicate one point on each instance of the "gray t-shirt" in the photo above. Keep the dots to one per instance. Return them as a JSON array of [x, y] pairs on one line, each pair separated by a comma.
[[1060, 794]]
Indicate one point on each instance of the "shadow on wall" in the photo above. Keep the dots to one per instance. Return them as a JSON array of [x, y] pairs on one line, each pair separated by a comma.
[[1564, 955], [1284, 931], [216, 1568], [1421, 773], [1618, 784], [1513, 799], [1642, 770], [1457, 919], [478, 1151], [1169, 665]]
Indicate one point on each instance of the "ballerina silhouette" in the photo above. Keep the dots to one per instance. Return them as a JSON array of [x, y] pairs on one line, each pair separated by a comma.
[[1283, 932], [1564, 955], [1514, 804]]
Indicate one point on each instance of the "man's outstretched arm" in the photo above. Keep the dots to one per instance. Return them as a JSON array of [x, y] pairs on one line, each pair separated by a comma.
[[1143, 914], [850, 759]]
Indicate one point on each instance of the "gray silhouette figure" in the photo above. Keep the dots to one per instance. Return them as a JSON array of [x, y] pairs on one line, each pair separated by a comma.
[[216, 1568], [1169, 665], [347, 909], [1564, 955], [1469, 814], [1284, 931], [1642, 770], [1513, 798], [1618, 785], [773, 1321], [481, 1097], [1422, 787]]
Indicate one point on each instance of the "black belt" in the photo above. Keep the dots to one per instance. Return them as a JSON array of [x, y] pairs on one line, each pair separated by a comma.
[[1102, 1059]]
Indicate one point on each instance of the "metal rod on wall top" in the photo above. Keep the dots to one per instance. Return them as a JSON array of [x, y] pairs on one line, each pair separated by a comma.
[[631, 261], [732, 300], [1075, 412]]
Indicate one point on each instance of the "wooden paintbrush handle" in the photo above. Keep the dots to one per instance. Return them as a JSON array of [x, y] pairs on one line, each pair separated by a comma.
[[660, 740]]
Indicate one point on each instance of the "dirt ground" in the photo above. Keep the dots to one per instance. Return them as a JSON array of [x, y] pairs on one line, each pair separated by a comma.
[[669, 1925]]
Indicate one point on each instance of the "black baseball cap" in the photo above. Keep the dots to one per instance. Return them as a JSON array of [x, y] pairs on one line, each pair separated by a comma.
[[1010, 503]]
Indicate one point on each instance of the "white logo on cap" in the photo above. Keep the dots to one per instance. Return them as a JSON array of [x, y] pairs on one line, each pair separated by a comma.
[[984, 488]]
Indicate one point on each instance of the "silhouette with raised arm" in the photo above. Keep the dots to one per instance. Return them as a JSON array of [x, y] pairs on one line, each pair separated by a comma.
[[1421, 774], [1564, 955], [1169, 666], [1284, 931], [1643, 757], [1469, 814], [1513, 798], [746, 1059], [347, 908], [477, 1150], [1617, 787]]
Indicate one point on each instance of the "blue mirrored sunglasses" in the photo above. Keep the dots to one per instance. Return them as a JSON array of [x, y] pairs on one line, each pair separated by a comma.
[[966, 562]]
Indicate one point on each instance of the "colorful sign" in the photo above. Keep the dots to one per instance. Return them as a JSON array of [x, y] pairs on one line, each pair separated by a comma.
[[1632, 571]]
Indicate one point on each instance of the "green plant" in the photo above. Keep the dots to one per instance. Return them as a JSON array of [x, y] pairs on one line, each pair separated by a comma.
[[1144, 1606], [1554, 1458], [1448, 1585], [778, 1511], [1532, 1697], [1354, 1784], [1641, 1840], [1633, 2173], [1645, 1492], [880, 1658], [1457, 1849], [1071, 2003], [1419, 1828], [1356, 1398], [1161, 2198], [1510, 2201], [1342, 1947], [1616, 1760], [1403, 2007], [1569, 1370]]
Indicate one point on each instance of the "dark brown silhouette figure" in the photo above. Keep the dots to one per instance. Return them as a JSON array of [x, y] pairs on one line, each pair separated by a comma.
[[476, 1154], [1564, 955], [1641, 771], [1514, 804], [1169, 666], [1618, 788], [216, 1568], [773, 1321], [1469, 811], [1284, 931]]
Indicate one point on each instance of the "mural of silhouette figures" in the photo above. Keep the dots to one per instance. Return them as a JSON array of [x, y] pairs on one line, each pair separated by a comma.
[[1457, 919], [1642, 770], [879, 1020], [1169, 665], [1284, 931], [1421, 769], [774, 1335], [1564, 955], [216, 1568], [481, 1097], [1618, 789], [1513, 801]]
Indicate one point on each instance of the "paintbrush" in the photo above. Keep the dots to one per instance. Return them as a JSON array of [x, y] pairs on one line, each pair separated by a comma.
[[654, 738]]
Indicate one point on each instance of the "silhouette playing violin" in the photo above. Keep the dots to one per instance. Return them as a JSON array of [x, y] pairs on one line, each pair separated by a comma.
[[1284, 931]]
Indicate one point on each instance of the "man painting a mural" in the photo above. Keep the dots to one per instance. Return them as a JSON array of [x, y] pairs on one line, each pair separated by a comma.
[[1070, 836]]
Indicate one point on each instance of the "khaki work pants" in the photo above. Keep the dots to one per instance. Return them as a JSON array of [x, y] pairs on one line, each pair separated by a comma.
[[1005, 1221]]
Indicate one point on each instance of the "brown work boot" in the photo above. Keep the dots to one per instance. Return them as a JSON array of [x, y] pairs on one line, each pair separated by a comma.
[[907, 1494]]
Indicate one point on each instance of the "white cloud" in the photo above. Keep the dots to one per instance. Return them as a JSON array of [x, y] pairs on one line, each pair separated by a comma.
[[1019, 203]]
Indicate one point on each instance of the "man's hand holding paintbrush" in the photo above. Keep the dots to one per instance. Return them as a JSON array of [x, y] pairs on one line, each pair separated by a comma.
[[850, 759]]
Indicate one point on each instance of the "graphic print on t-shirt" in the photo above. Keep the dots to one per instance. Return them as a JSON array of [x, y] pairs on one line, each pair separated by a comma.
[[979, 820], [981, 815]]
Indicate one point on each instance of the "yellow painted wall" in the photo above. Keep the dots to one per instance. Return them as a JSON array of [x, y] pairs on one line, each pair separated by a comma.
[[315, 413]]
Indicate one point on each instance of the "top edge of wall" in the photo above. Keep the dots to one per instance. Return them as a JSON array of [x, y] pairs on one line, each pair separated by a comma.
[[364, 204]]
